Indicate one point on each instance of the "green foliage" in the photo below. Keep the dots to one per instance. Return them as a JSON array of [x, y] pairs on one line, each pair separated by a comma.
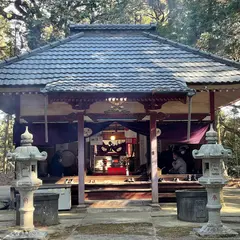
[[211, 25], [48, 20], [5, 39]]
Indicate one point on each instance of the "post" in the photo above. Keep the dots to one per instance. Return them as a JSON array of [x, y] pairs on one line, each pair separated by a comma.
[[212, 107], [189, 117], [81, 185], [153, 142], [26, 208], [5, 148], [45, 117]]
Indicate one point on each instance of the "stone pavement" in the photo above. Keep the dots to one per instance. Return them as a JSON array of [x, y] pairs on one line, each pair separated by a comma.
[[122, 225], [128, 223]]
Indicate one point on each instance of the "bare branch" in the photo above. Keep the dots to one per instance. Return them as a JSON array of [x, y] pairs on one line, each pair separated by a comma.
[[18, 6], [12, 15]]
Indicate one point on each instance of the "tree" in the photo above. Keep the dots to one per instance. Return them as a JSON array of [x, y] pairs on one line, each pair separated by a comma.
[[6, 46], [211, 25], [48, 20], [6, 140]]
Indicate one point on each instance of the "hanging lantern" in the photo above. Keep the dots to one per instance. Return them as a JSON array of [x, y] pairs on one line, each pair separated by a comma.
[[159, 132]]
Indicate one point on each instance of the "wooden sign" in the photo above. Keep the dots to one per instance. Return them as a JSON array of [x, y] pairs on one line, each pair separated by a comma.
[[96, 140], [131, 140]]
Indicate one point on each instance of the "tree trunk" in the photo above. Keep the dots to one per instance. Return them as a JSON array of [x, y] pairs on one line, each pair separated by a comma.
[[6, 135]]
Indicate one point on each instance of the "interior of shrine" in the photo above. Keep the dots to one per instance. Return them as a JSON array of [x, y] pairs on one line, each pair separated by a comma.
[[119, 148]]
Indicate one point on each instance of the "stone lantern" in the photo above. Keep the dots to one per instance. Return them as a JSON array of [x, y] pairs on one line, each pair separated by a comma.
[[26, 157], [213, 179]]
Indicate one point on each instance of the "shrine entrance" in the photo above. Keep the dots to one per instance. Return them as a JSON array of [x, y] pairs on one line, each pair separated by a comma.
[[117, 160], [81, 96]]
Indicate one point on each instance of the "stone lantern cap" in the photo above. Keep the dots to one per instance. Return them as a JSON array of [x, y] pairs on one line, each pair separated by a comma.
[[212, 150], [27, 152]]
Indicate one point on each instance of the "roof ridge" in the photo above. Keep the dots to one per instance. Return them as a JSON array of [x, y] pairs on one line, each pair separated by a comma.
[[113, 26], [39, 50], [211, 56]]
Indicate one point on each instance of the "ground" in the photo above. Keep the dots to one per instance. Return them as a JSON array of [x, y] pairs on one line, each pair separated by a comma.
[[129, 223]]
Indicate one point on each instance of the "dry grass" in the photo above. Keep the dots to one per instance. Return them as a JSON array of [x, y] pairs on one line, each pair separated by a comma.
[[173, 232], [145, 229]]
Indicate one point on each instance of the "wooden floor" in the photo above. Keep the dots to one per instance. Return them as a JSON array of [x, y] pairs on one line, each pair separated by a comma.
[[111, 178], [117, 188]]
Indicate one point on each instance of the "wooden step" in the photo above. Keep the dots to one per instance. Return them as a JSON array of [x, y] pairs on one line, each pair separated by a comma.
[[130, 195]]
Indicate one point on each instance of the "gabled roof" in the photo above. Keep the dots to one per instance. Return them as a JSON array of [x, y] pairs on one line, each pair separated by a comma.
[[116, 62]]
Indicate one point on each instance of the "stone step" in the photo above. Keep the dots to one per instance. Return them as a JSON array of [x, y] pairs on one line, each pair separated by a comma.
[[128, 209]]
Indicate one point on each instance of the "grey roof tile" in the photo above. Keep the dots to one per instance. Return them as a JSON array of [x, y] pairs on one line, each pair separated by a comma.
[[117, 63]]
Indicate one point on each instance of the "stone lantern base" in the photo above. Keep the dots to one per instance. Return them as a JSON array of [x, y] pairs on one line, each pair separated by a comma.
[[30, 235], [209, 230]]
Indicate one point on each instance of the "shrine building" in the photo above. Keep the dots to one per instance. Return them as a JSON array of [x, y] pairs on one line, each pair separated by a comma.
[[110, 102]]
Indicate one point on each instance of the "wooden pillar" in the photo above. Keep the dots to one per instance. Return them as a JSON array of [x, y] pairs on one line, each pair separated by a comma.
[[137, 153], [17, 108], [212, 107], [17, 117], [46, 117], [189, 117], [153, 142], [81, 172]]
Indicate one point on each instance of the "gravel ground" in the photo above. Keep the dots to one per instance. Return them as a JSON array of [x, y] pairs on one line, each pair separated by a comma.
[[6, 179]]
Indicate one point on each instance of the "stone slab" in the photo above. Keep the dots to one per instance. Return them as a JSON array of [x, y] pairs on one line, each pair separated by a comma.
[[115, 237], [215, 231], [30, 235], [129, 209]]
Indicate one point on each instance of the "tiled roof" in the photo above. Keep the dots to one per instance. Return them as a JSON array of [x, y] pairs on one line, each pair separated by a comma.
[[116, 84], [115, 62]]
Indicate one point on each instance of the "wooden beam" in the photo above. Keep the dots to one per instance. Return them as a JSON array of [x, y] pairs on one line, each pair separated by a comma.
[[184, 116], [211, 86], [46, 117], [17, 108], [81, 170], [120, 116], [86, 97], [95, 117], [23, 89], [153, 142]]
